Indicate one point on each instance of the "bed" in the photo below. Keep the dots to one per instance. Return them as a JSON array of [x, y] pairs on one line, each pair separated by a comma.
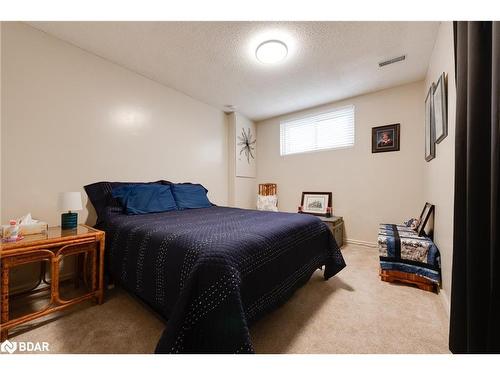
[[212, 272]]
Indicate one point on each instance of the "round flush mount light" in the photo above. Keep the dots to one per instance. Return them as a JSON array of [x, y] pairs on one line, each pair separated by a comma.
[[271, 52]]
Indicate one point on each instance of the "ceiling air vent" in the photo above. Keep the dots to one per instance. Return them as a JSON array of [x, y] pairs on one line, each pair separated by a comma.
[[391, 61]]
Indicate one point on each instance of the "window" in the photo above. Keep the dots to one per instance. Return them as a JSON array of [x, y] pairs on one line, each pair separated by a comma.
[[324, 131]]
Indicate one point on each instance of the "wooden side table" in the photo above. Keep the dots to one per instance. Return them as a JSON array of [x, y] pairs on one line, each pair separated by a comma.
[[52, 247], [336, 225]]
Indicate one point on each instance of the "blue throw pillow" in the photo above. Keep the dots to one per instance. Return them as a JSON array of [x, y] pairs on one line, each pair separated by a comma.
[[144, 199], [190, 196]]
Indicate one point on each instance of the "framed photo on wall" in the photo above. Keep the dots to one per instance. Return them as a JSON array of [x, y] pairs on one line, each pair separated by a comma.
[[440, 109], [430, 133], [315, 203], [385, 138]]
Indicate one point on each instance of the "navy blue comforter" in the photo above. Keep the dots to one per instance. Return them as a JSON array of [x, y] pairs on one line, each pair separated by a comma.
[[213, 271]]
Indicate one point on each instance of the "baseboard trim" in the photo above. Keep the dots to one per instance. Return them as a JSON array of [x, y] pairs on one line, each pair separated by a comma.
[[445, 300], [361, 243]]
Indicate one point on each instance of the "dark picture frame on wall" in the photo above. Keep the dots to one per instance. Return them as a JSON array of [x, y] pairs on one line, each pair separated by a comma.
[[430, 134], [316, 203], [385, 138], [440, 109]]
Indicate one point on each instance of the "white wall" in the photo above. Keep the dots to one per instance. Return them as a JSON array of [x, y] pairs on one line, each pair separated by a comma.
[[439, 173], [367, 188], [242, 190], [71, 118]]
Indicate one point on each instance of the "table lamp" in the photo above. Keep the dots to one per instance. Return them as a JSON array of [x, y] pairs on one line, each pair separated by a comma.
[[69, 201]]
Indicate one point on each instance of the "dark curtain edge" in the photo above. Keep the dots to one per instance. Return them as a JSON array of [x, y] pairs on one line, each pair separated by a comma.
[[475, 300]]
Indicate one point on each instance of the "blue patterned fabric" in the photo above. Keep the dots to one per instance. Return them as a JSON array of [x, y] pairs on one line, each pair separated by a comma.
[[190, 196], [144, 198], [402, 249], [214, 271]]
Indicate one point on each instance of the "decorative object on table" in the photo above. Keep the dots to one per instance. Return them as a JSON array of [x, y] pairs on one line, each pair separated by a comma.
[[69, 201], [385, 138], [25, 226], [267, 199], [328, 212], [83, 242], [439, 101], [430, 130], [336, 225], [316, 203], [246, 145], [11, 232]]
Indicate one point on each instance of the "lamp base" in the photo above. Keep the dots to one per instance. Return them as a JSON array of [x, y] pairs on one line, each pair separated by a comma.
[[69, 220]]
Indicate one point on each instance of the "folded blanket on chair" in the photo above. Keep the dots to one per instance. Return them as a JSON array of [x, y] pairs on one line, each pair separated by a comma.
[[401, 249]]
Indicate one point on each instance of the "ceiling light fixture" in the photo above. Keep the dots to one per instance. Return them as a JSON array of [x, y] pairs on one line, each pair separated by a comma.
[[271, 52]]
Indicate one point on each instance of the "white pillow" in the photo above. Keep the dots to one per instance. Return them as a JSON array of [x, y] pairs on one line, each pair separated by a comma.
[[267, 202]]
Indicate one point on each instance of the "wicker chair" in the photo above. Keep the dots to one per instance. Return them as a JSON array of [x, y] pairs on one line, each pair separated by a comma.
[[267, 190]]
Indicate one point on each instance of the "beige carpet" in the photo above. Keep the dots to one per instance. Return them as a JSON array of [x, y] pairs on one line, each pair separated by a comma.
[[353, 312]]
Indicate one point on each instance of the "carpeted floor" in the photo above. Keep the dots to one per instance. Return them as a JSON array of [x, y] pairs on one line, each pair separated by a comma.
[[353, 312]]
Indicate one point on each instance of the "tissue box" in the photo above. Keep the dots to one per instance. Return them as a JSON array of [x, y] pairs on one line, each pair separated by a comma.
[[26, 229]]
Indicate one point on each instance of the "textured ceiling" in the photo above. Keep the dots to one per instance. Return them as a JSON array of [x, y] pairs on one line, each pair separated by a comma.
[[215, 61]]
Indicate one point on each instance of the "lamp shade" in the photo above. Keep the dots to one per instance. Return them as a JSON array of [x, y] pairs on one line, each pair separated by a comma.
[[70, 201]]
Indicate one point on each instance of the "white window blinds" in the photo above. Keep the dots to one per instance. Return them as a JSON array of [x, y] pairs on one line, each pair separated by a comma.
[[328, 130]]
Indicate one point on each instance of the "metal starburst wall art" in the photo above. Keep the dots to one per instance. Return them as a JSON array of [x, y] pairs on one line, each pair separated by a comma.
[[247, 144]]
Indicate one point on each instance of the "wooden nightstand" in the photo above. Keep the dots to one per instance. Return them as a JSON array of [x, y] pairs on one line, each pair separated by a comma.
[[52, 247], [336, 225]]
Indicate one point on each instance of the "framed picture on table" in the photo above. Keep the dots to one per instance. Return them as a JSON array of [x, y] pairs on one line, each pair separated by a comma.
[[316, 203], [427, 211]]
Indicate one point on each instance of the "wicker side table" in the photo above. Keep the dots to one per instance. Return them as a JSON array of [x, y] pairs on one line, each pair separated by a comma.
[[52, 248]]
